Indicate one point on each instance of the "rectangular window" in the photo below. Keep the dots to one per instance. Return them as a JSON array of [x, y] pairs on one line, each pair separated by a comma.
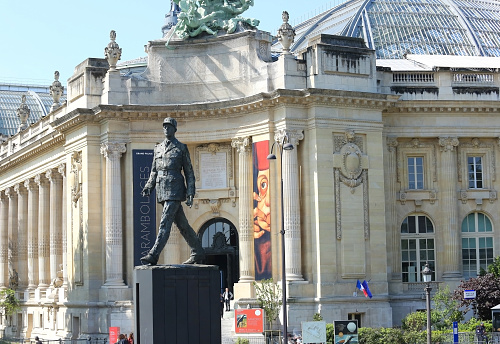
[[416, 173], [475, 171], [477, 253], [414, 254]]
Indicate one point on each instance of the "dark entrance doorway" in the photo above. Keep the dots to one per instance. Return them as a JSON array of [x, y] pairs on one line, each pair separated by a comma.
[[219, 238]]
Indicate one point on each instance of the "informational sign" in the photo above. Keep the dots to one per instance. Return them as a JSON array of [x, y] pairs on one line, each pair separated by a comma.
[[114, 332], [314, 332], [213, 170], [469, 294], [144, 207], [249, 320], [455, 332], [346, 331]]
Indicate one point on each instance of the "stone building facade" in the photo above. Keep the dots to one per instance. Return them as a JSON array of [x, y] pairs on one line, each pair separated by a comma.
[[392, 167]]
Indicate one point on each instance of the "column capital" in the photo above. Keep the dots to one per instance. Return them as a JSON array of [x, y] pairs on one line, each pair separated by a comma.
[[392, 143], [10, 192], [242, 144], [293, 135], [448, 143], [40, 179], [53, 176], [113, 150], [19, 188], [30, 184], [62, 169]]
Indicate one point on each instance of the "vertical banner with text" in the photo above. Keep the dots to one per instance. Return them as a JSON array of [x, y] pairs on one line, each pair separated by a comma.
[[261, 211], [144, 207]]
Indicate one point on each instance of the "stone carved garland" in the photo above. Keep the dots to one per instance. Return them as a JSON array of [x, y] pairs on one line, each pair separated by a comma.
[[352, 174], [76, 170]]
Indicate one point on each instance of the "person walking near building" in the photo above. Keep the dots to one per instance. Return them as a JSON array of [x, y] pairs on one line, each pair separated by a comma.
[[228, 296]]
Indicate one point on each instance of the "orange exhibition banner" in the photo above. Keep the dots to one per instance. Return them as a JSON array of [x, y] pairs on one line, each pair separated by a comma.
[[249, 320]]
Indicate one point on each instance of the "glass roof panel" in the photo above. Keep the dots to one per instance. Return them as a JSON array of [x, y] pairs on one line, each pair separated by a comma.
[[415, 26]]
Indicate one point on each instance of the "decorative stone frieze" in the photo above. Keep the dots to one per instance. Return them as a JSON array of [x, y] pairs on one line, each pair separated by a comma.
[[350, 169], [76, 170]]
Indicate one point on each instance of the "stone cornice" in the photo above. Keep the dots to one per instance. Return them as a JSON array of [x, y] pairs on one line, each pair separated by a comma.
[[237, 107], [36, 148], [445, 107]]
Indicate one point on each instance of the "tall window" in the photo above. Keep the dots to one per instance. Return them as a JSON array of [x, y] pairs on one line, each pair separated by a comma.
[[477, 244], [475, 170], [415, 173], [417, 247]]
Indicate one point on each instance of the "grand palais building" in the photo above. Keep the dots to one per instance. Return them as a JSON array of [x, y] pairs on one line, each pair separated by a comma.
[[393, 111]]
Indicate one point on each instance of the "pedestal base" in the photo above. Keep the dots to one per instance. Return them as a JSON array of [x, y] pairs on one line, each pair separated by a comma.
[[177, 304]]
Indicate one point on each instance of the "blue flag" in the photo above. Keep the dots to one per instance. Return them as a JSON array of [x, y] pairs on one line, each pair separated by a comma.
[[364, 288]]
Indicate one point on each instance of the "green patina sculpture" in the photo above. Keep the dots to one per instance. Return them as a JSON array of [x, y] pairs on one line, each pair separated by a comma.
[[210, 16]]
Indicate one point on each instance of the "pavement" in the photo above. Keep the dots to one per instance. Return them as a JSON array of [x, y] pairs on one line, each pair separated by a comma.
[[227, 326]]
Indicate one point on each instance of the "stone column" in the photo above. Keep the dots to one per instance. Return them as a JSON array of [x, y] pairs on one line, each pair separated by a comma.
[[32, 240], [390, 196], [113, 151], [64, 227], [43, 231], [246, 241], [55, 220], [12, 234], [22, 235], [449, 220], [4, 215], [291, 203]]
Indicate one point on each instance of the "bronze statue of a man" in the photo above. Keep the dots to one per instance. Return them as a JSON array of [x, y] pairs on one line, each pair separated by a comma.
[[170, 158]]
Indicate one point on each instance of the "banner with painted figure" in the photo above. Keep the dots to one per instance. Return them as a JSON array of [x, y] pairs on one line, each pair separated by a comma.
[[261, 211], [144, 207]]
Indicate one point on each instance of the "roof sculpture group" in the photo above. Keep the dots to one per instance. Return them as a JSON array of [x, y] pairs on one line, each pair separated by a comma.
[[210, 16]]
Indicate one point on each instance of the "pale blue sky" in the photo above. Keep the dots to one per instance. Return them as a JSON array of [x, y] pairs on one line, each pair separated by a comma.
[[39, 37]]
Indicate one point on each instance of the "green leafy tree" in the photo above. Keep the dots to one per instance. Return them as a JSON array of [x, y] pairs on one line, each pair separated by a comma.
[[487, 289], [494, 268], [269, 296], [9, 302], [445, 309]]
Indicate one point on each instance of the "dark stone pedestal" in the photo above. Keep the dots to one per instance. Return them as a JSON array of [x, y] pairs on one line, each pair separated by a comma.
[[177, 304]]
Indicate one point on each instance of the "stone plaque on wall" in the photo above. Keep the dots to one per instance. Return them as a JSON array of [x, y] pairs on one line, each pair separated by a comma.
[[214, 166], [213, 170]]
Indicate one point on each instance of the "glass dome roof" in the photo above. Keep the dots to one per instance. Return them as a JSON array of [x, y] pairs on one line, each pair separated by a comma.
[[394, 28], [38, 100]]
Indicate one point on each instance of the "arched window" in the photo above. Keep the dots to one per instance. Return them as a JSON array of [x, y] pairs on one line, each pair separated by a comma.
[[417, 247], [477, 244], [219, 235]]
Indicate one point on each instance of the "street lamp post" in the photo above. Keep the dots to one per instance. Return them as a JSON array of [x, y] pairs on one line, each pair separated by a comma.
[[282, 146], [427, 275]]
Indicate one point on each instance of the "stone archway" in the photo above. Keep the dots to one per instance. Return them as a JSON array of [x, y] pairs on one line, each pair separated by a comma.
[[219, 238]]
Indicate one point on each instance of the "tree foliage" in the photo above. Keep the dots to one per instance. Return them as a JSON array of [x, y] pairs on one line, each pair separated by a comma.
[[445, 309], [9, 302], [494, 268], [269, 296], [487, 289]]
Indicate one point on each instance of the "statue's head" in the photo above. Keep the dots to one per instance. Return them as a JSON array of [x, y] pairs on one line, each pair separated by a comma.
[[170, 121]]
